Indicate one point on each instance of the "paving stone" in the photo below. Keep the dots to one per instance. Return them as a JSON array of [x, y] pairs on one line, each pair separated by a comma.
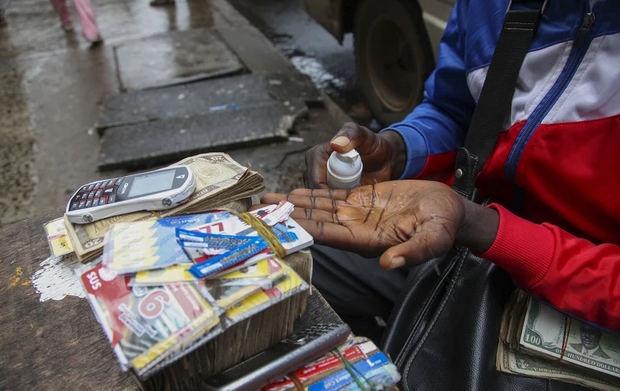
[[182, 101], [173, 58], [187, 100], [292, 86], [160, 142]]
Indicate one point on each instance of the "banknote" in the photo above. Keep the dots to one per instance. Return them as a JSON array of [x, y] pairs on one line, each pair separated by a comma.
[[519, 363], [59, 242], [215, 173], [539, 341], [548, 332]]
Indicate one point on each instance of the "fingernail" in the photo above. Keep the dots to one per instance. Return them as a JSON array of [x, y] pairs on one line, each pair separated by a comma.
[[341, 141], [396, 263]]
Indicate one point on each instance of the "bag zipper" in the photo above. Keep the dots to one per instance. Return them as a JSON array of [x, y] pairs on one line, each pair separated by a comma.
[[581, 43]]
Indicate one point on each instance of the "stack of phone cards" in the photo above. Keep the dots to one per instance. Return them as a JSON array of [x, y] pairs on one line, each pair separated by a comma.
[[163, 287]]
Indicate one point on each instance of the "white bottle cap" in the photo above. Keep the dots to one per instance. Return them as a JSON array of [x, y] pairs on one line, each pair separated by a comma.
[[344, 170]]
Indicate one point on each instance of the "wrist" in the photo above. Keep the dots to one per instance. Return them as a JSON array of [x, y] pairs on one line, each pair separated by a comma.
[[397, 152], [478, 228]]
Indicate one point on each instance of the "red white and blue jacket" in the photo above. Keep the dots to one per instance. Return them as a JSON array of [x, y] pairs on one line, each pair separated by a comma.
[[558, 161]]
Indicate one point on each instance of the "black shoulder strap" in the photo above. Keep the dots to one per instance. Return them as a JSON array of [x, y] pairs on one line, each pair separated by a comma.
[[497, 92]]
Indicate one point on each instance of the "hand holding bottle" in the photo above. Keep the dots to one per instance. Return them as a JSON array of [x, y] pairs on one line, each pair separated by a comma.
[[383, 155]]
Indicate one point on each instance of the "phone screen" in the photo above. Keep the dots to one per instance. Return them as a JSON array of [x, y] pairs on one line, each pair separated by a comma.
[[151, 183]]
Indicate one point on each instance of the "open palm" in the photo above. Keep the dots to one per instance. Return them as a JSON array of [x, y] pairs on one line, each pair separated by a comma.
[[408, 221]]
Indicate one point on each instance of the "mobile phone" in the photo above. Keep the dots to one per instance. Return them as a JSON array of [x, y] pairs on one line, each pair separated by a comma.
[[154, 190], [280, 359]]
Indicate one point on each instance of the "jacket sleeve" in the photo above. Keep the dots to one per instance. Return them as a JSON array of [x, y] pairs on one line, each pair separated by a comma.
[[437, 127], [574, 275]]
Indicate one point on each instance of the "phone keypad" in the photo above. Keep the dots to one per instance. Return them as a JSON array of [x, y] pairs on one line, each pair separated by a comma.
[[96, 194]]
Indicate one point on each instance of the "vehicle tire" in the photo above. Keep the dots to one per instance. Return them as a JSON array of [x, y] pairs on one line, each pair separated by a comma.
[[393, 56]]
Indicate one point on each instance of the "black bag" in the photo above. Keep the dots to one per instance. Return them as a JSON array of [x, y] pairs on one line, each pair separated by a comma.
[[444, 332]]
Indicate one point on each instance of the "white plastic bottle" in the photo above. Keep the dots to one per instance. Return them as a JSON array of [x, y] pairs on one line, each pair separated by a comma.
[[344, 170]]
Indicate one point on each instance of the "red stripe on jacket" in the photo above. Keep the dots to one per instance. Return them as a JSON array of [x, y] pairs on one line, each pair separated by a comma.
[[564, 249]]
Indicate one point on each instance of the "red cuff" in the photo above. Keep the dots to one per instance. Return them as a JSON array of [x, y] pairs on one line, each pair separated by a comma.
[[522, 248]]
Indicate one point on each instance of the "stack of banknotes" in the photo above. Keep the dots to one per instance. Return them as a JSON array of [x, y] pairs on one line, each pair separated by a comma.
[[221, 182], [163, 287], [538, 341]]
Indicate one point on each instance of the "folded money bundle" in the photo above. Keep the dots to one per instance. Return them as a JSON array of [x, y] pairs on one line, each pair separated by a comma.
[[539, 341], [152, 305], [356, 365], [221, 182]]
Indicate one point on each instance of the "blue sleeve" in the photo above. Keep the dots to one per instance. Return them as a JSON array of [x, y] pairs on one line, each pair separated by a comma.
[[439, 124]]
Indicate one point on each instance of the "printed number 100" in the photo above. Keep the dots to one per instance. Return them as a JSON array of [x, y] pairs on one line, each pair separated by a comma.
[[533, 339]]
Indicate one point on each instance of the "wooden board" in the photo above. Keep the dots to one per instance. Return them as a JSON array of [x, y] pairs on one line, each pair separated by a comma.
[[58, 344]]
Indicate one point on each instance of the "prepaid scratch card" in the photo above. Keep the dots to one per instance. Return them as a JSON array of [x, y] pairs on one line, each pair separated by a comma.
[[145, 245], [283, 286], [145, 324], [233, 287], [232, 257]]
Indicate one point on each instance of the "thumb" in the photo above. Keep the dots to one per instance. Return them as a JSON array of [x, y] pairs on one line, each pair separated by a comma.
[[352, 136], [420, 248]]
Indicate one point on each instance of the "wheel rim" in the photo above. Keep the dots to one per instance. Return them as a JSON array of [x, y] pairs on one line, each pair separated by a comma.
[[392, 69]]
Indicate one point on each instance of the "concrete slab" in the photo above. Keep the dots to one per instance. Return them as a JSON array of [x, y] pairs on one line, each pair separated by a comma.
[[174, 58], [160, 142], [294, 86], [187, 100], [182, 101]]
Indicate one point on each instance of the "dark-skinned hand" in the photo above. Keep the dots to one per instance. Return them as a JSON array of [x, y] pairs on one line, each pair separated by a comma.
[[408, 222], [383, 155]]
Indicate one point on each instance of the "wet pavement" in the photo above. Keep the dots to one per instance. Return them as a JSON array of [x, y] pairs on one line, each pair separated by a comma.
[[52, 86], [18, 175]]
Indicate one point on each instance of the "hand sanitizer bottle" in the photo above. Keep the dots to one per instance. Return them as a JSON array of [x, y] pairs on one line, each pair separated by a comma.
[[344, 170]]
